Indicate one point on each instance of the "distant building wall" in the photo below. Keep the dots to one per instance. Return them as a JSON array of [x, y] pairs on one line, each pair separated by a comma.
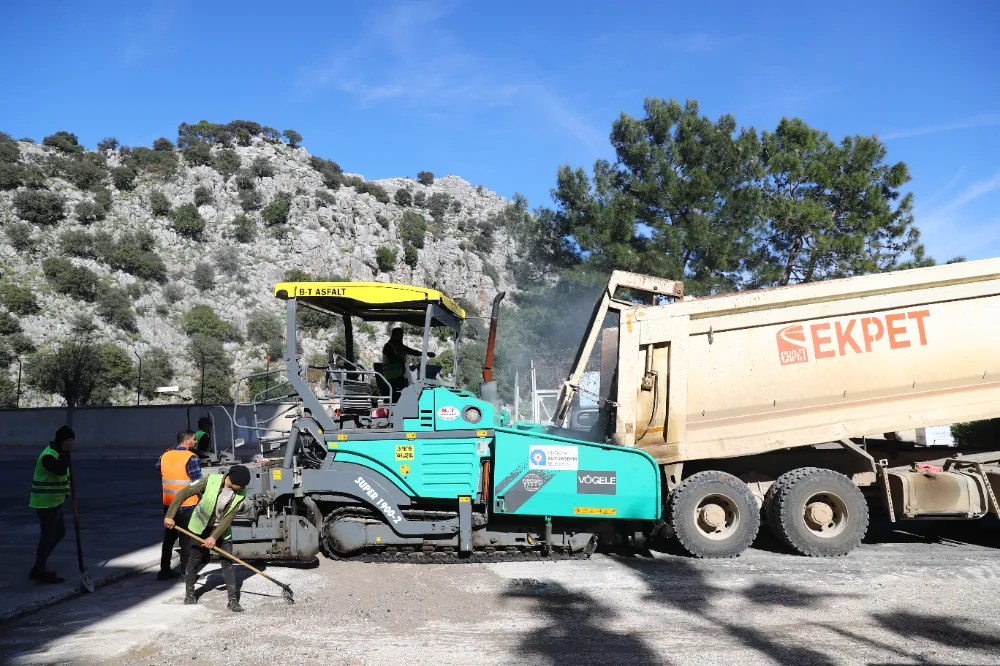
[[124, 429]]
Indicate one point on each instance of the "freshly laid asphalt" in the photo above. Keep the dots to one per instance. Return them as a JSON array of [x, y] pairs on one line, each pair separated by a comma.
[[912, 594]]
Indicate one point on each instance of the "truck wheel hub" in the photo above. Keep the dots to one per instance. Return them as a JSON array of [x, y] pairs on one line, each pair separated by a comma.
[[713, 516], [819, 514]]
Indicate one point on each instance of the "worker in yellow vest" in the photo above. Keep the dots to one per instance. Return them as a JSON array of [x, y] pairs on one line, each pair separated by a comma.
[[220, 495], [203, 437], [179, 468], [49, 489]]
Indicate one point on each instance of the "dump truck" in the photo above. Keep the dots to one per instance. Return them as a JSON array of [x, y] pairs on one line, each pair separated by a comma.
[[713, 412]]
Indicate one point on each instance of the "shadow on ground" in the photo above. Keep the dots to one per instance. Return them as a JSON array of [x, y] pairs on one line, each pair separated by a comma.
[[579, 625]]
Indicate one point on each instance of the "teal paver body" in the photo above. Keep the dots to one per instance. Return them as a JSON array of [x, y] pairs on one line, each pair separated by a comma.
[[533, 472]]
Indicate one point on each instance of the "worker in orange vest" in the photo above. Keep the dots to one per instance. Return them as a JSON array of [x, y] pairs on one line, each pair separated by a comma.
[[179, 468]]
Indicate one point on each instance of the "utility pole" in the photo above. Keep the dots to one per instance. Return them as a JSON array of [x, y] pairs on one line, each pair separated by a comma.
[[203, 379], [138, 383], [18, 403]]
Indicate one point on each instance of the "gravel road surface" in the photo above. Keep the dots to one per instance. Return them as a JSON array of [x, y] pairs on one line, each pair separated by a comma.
[[928, 597]]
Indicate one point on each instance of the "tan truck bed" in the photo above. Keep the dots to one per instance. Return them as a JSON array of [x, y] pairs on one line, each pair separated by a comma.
[[751, 372]]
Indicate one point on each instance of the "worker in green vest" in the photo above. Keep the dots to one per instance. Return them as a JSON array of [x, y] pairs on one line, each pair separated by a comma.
[[220, 495], [49, 489], [203, 437]]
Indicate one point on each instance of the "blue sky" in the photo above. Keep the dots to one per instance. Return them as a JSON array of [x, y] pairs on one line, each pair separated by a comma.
[[503, 93]]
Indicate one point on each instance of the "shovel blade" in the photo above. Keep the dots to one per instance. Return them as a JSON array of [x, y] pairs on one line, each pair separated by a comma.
[[86, 581]]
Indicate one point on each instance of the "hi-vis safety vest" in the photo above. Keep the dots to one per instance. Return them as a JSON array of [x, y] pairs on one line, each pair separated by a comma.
[[48, 490], [173, 469], [203, 513]]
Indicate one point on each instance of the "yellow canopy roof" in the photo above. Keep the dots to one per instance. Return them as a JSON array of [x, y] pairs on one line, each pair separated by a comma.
[[377, 301]]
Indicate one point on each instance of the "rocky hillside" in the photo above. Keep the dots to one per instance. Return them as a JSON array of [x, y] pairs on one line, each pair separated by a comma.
[[134, 239]]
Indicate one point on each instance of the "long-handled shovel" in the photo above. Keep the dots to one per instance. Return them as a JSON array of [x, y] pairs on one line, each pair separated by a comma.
[[286, 590], [85, 579]]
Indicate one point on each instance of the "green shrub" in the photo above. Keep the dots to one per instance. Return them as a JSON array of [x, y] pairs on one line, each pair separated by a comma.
[[186, 221], [246, 228], [226, 162], [385, 257], [382, 220], [39, 207], [261, 168], [438, 206], [425, 178], [214, 366], [413, 228], [19, 236], [978, 434], [484, 239], [63, 142], [420, 199], [263, 327], [251, 200], [298, 275], [11, 176], [173, 293], [410, 255], [76, 281], [18, 299], [203, 131], [373, 189], [203, 196], [9, 323], [403, 197], [203, 276], [243, 137], [108, 143], [114, 307], [160, 163], [10, 152], [88, 211], [490, 271], [248, 126], [271, 134], [163, 144], [32, 176], [86, 171], [276, 212], [157, 371], [104, 244], [293, 138], [159, 203], [135, 254], [203, 320], [324, 198], [124, 178], [198, 153], [21, 344], [245, 180], [77, 243], [330, 171], [456, 207], [224, 138], [228, 260]]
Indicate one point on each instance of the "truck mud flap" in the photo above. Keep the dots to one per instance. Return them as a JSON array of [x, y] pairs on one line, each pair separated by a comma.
[[373, 489]]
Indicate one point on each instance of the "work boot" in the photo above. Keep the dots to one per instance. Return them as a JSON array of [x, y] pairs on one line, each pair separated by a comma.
[[190, 599], [167, 575], [48, 578], [234, 605]]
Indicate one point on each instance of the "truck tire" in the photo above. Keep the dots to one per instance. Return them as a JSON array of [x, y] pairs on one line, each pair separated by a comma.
[[713, 515], [817, 512]]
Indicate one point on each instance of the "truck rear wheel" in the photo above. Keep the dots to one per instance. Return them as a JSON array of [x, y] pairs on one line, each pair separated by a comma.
[[817, 512], [714, 515]]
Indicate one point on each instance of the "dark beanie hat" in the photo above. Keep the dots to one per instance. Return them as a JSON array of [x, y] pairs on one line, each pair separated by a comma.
[[64, 433], [239, 476]]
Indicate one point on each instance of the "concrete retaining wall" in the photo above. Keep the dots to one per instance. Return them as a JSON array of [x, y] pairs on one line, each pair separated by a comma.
[[123, 430]]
